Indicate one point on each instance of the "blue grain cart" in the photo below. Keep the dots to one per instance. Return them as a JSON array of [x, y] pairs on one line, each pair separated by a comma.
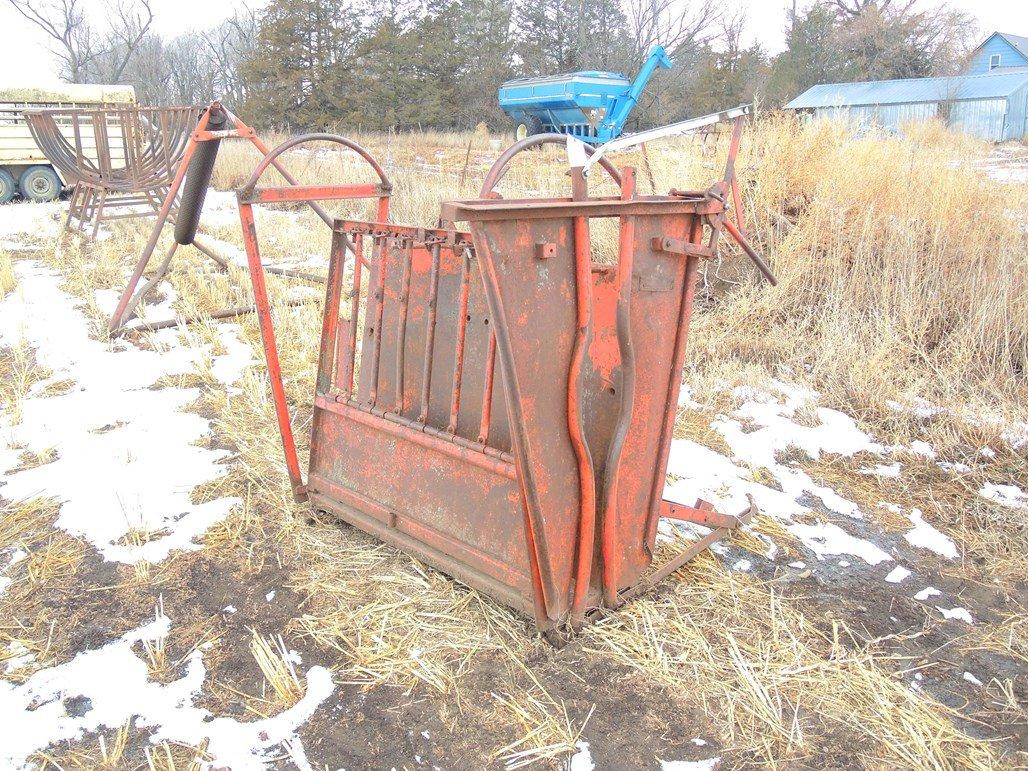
[[592, 105]]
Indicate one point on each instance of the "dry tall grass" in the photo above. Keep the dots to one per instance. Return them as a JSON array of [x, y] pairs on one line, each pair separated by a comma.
[[902, 270]]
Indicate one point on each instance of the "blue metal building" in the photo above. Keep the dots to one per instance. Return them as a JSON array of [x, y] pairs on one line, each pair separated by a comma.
[[999, 50], [991, 105]]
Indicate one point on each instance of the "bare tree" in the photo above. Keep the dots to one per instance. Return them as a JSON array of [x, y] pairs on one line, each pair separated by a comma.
[[674, 24], [64, 23], [84, 53]]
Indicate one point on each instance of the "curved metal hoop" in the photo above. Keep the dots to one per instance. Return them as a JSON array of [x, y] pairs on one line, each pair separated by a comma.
[[289, 144], [125, 150], [496, 173]]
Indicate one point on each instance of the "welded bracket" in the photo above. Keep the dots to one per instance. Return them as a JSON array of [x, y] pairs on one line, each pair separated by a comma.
[[703, 513], [682, 247]]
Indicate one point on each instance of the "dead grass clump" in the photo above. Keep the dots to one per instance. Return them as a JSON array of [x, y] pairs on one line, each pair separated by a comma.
[[894, 285], [275, 662], [548, 732], [7, 278], [393, 620], [781, 687], [1008, 637], [20, 373], [173, 756], [695, 424], [107, 754]]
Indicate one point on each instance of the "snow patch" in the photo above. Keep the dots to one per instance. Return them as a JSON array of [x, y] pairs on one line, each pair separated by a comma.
[[972, 679], [38, 220], [758, 433], [689, 765], [927, 537], [582, 760], [127, 455], [928, 591], [898, 575], [35, 716], [828, 539], [958, 614], [1011, 496]]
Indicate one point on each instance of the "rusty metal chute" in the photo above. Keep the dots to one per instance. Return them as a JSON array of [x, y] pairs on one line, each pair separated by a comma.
[[496, 403]]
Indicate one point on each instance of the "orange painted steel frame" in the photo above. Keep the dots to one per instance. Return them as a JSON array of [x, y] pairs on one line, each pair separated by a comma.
[[546, 492]]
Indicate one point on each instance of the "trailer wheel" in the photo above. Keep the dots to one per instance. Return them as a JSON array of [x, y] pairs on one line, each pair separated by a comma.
[[40, 183], [528, 128], [7, 187]]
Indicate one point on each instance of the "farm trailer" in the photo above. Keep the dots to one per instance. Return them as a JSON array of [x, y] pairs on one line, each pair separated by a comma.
[[591, 105], [24, 167]]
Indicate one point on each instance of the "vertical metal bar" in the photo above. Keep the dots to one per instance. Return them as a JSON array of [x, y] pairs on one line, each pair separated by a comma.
[[406, 254], [376, 331], [79, 149], [163, 117], [626, 258], [740, 218], [487, 391], [726, 183], [99, 212], [545, 600], [330, 317], [674, 383], [260, 296], [462, 330], [426, 374], [576, 420], [355, 302]]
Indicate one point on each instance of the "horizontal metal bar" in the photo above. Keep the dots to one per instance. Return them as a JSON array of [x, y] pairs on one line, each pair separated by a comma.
[[702, 513], [682, 247], [673, 129], [428, 236], [384, 422], [310, 193], [649, 581], [482, 210]]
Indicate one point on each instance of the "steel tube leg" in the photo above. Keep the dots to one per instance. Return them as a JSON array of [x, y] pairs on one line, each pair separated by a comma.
[[260, 294]]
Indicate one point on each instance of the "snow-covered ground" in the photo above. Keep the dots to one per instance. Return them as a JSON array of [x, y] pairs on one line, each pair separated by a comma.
[[760, 432], [35, 714], [126, 457]]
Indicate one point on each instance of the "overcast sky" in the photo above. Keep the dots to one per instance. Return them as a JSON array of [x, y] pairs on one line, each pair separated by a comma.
[[27, 47]]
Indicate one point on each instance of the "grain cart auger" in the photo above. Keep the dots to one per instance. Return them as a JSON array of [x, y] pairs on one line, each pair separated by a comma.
[[183, 206], [501, 406]]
